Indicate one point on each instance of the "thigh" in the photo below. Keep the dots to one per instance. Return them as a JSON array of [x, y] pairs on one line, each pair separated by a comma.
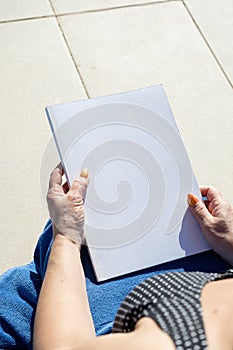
[[217, 306]]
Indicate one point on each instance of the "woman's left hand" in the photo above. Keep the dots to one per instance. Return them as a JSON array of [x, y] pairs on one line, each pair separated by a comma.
[[66, 205]]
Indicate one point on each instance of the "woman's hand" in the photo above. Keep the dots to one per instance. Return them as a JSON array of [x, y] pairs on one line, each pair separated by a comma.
[[63, 318], [66, 205], [216, 220]]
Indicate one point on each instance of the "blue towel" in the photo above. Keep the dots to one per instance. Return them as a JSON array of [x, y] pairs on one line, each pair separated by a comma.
[[20, 287]]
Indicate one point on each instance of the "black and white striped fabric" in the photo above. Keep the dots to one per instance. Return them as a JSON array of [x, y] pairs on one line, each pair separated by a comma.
[[173, 300]]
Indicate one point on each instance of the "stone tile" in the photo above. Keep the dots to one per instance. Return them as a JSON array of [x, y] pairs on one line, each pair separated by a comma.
[[128, 48], [69, 6], [18, 9], [215, 19], [36, 71]]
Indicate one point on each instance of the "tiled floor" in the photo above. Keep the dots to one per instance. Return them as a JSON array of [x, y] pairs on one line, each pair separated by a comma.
[[54, 51]]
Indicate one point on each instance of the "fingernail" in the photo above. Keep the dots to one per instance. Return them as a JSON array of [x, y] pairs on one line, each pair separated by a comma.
[[84, 173], [192, 200]]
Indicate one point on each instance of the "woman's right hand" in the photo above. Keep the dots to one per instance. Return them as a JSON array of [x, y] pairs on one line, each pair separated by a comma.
[[215, 217]]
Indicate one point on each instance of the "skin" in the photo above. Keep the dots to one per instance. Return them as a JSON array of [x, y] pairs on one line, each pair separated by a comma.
[[63, 319]]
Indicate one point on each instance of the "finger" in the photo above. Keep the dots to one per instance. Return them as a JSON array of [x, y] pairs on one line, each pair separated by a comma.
[[210, 207], [210, 192], [61, 167], [214, 198], [199, 210], [84, 181], [56, 176], [80, 183], [84, 173]]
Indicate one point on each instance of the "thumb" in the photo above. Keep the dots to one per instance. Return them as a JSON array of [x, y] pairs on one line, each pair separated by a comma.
[[199, 210]]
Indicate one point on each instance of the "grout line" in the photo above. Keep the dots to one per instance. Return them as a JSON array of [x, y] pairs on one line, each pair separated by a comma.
[[25, 19], [104, 9], [208, 45], [70, 52], [87, 11]]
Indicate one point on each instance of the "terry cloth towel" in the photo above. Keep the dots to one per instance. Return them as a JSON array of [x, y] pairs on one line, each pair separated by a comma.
[[20, 287]]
